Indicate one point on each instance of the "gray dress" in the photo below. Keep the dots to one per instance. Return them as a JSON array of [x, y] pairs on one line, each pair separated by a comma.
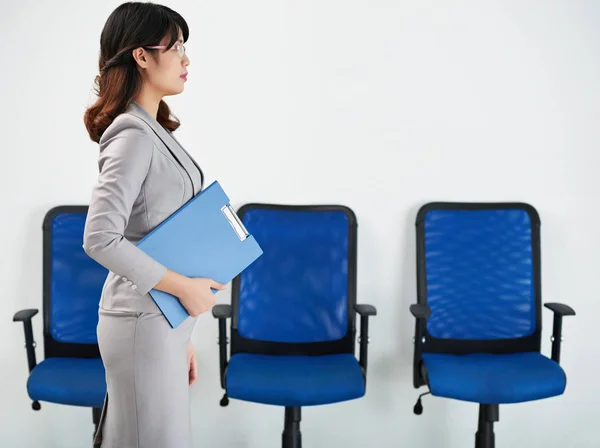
[[144, 176]]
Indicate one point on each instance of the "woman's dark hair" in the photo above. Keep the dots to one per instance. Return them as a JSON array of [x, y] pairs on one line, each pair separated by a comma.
[[132, 25]]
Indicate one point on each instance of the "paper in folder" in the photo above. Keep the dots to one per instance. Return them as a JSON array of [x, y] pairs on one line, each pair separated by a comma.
[[204, 238]]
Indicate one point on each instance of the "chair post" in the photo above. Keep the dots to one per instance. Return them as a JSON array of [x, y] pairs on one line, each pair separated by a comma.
[[364, 343], [222, 351], [223, 360], [488, 414], [292, 437], [222, 312], [96, 415], [556, 337]]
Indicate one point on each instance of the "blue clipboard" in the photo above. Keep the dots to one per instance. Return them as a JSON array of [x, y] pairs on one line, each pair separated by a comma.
[[204, 238]]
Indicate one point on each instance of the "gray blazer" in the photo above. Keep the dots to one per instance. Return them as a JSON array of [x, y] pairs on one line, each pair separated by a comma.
[[145, 175]]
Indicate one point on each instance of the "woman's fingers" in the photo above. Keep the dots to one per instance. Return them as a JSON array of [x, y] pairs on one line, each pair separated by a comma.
[[219, 286]]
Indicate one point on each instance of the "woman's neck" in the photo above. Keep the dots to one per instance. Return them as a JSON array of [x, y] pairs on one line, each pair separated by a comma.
[[149, 102]]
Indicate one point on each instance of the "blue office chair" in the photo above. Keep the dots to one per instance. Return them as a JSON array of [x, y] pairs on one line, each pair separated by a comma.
[[293, 314], [72, 372], [479, 316]]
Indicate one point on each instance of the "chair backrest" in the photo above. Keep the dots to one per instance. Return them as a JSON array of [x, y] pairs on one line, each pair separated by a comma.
[[299, 296], [479, 272], [72, 286]]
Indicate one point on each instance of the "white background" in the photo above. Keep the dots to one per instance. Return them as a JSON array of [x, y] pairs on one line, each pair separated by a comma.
[[380, 105]]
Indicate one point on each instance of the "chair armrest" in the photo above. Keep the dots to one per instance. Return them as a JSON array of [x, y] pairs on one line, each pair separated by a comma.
[[221, 311], [420, 311], [365, 310], [25, 316], [560, 310]]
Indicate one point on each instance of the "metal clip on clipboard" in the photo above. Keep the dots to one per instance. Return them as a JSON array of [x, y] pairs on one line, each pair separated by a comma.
[[235, 222]]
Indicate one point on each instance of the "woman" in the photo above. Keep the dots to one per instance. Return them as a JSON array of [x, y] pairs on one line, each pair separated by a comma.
[[144, 176]]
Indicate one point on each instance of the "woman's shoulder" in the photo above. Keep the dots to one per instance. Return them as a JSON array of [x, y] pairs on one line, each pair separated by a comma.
[[126, 126], [126, 139]]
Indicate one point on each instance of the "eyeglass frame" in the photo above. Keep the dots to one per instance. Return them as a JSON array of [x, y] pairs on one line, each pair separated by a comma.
[[174, 47]]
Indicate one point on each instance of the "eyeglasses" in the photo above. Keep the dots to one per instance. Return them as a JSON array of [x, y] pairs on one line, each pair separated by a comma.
[[179, 47]]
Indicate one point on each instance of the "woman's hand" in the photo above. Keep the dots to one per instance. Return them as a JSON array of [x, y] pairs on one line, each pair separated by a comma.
[[192, 364], [197, 297], [194, 293]]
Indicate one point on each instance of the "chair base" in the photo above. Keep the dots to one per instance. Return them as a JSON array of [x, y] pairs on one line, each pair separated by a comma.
[[291, 437], [484, 437]]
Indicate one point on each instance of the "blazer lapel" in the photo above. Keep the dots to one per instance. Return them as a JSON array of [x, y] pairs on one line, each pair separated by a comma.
[[182, 156], [189, 157]]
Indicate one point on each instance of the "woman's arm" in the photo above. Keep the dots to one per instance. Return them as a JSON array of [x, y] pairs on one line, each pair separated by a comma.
[[126, 153], [124, 162]]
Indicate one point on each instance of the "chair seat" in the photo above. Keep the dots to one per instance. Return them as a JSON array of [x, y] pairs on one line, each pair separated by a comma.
[[494, 379], [71, 381], [294, 380]]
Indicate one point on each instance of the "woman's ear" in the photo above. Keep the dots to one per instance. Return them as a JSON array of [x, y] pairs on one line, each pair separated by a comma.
[[140, 56]]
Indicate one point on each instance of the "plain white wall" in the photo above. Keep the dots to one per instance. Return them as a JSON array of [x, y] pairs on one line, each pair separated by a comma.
[[380, 105]]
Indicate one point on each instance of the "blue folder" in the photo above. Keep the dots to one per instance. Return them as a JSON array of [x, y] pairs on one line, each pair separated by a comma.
[[204, 238]]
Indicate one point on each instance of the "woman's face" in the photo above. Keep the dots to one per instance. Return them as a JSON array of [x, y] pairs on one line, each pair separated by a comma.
[[166, 72]]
